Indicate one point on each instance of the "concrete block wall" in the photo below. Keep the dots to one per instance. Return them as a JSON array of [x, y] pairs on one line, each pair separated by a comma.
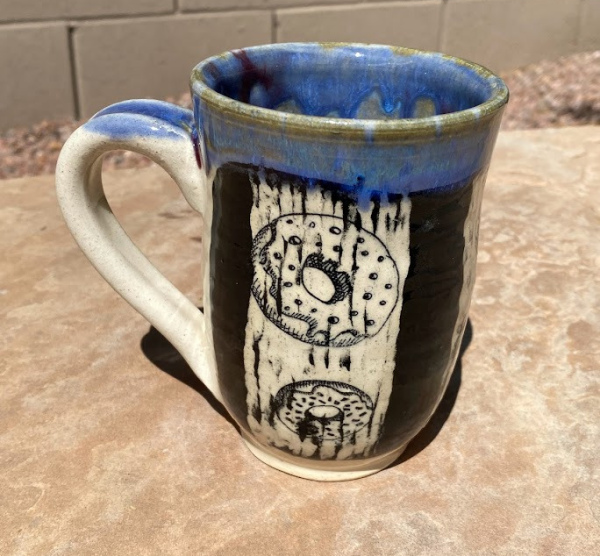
[[69, 58]]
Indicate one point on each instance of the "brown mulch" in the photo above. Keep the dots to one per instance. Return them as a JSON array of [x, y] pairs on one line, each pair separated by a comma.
[[563, 92]]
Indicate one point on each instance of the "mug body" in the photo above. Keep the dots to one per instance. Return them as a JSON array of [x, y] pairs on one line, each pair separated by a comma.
[[344, 187]]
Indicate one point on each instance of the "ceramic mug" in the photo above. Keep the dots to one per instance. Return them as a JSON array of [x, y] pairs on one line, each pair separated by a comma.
[[340, 186]]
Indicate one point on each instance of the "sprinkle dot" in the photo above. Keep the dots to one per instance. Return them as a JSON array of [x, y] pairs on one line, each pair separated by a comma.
[[313, 310], [287, 284], [367, 296], [335, 230], [277, 256], [364, 253], [318, 244], [295, 240], [312, 225], [370, 322], [380, 259], [286, 308], [292, 267], [298, 302], [360, 240], [353, 313], [333, 320], [290, 221], [388, 286], [373, 276], [337, 248], [383, 303]]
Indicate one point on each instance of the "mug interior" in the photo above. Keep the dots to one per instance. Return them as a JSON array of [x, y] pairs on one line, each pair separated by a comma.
[[349, 81]]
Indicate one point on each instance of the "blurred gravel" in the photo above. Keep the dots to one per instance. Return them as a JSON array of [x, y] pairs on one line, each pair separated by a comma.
[[564, 92], [556, 93]]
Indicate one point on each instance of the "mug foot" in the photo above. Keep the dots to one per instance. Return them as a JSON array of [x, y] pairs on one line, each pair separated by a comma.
[[316, 470]]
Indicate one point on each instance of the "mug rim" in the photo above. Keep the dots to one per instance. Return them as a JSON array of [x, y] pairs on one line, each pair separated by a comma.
[[451, 122]]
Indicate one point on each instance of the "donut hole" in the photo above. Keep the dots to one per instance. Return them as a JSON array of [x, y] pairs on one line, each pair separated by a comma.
[[318, 284], [324, 412]]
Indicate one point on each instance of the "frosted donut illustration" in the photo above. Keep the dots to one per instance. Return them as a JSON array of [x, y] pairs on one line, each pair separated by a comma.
[[323, 411], [322, 279]]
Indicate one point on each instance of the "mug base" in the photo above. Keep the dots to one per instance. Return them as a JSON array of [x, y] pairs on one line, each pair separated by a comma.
[[316, 470]]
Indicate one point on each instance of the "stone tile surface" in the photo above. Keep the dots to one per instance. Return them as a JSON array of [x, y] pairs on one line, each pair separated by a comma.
[[36, 74], [411, 24], [108, 444]]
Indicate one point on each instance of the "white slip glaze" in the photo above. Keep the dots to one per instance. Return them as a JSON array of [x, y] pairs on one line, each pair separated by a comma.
[[107, 246]]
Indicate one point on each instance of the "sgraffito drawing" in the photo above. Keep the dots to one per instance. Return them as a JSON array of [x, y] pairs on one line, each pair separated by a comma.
[[324, 316]]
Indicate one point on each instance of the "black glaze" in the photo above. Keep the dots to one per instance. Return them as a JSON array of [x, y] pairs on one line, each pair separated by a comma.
[[430, 309], [230, 281], [430, 298]]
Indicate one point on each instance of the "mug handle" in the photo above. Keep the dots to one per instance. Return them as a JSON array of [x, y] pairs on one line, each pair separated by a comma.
[[166, 134]]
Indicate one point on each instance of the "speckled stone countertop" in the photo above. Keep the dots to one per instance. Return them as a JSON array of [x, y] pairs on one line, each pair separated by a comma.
[[109, 445]]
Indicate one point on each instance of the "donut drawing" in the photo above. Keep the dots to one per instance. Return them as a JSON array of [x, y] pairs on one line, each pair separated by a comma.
[[322, 279], [323, 411]]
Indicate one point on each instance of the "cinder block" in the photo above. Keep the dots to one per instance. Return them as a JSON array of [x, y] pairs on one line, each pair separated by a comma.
[[36, 74], [589, 38], [154, 57], [15, 10], [87, 8], [506, 34], [199, 5], [413, 24]]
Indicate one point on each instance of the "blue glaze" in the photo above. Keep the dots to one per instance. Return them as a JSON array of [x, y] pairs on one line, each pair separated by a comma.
[[340, 81], [147, 118], [396, 168]]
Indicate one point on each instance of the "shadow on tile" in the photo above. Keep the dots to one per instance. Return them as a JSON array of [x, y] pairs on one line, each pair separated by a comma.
[[163, 355]]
